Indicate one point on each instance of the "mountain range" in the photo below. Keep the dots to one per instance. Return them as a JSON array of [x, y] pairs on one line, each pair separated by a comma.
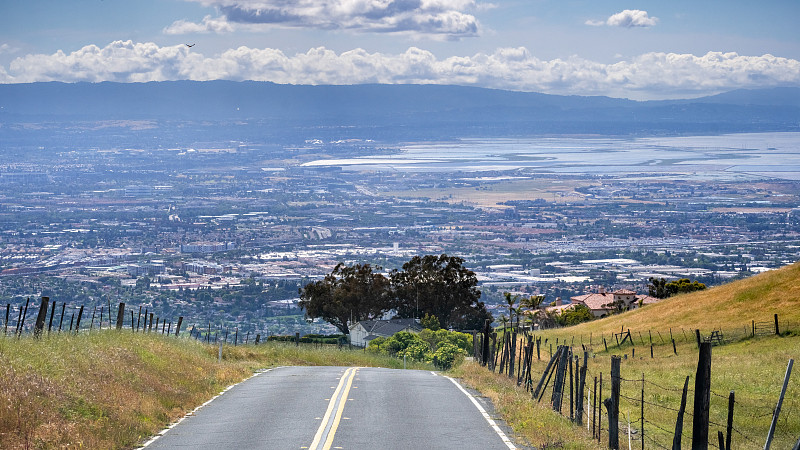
[[428, 110]]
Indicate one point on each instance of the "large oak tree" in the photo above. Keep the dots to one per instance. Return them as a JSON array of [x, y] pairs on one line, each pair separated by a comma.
[[347, 295], [439, 286]]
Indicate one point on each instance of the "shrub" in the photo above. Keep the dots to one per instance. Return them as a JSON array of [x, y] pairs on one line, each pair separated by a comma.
[[447, 355]]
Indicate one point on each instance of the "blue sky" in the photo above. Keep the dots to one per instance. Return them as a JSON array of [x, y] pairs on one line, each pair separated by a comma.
[[633, 49]]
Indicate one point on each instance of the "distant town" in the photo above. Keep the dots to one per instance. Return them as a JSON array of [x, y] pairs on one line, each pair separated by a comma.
[[228, 232], [220, 203]]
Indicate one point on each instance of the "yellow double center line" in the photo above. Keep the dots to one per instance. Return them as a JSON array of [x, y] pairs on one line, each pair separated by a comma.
[[327, 429]]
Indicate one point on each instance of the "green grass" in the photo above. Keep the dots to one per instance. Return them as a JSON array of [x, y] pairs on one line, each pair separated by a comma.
[[113, 390], [753, 367]]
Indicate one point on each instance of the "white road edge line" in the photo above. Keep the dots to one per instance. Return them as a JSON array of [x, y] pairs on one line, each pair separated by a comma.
[[492, 423], [192, 412]]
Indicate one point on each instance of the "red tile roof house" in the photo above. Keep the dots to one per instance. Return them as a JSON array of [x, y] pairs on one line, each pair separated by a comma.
[[602, 303]]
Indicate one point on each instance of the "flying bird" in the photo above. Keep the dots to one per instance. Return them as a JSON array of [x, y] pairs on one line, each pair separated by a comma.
[[190, 45]]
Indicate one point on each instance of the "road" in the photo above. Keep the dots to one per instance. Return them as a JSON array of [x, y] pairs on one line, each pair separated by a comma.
[[339, 408]]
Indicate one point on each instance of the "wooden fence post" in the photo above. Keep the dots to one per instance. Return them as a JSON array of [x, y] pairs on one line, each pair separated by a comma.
[[558, 383], [296, 338], [120, 315], [600, 409], [61, 320], [494, 351], [581, 387], [612, 404], [697, 335], [258, 339], [539, 349], [40, 319], [780, 403], [78, 322], [777, 330], [21, 322], [485, 343], [513, 354], [544, 375], [729, 430], [641, 403], [594, 409], [702, 398], [572, 387], [52, 313], [8, 311], [178, 325]]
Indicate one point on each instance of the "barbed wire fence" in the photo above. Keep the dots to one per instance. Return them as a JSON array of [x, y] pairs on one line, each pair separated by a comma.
[[662, 409]]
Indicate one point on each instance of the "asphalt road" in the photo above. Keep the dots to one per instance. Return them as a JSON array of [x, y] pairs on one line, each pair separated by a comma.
[[339, 408]]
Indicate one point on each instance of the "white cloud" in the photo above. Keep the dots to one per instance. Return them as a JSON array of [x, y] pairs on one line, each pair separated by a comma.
[[208, 25], [651, 75], [5, 48], [628, 18], [450, 18]]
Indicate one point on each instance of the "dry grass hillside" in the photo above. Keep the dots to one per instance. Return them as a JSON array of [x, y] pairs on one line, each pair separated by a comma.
[[751, 366], [730, 306]]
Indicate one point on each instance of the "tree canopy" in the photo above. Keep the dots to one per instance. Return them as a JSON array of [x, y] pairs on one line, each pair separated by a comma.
[[442, 287], [661, 288], [347, 295], [438, 288]]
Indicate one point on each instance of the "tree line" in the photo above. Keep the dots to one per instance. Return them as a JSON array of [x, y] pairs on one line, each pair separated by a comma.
[[439, 286]]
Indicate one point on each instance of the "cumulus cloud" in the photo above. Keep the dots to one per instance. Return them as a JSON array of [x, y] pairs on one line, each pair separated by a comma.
[[208, 25], [449, 18], [628, 18], [651, 75]]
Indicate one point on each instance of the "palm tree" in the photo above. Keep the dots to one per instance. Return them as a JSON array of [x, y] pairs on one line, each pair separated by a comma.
[[511, 300]]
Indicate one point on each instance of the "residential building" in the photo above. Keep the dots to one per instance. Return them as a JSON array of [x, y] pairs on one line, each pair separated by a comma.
[[363, 332], [602, 303]]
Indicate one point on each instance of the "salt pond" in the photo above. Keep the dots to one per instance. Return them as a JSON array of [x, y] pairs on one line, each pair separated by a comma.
[[730, 156]]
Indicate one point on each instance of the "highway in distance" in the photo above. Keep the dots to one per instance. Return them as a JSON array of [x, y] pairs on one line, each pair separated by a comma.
[[339, 408]]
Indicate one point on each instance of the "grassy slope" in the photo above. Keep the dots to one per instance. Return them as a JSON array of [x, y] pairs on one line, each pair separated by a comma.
[[112, 390], [752, 367]]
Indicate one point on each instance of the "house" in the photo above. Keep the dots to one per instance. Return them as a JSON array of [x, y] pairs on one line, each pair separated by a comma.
[[601, 303], [366, 330]]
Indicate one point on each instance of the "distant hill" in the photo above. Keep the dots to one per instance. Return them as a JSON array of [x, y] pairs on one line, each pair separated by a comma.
[[427, 109]]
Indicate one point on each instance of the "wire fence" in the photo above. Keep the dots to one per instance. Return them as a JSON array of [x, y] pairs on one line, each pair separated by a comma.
[[652, 407]]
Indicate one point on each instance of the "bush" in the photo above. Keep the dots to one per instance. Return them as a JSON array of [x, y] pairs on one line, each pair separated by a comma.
[[575, 316], [443, 348], [447, 355], [417, 351]]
